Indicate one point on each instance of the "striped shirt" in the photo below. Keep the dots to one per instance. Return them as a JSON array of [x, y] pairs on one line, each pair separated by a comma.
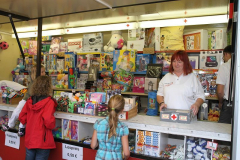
[[109, 149]]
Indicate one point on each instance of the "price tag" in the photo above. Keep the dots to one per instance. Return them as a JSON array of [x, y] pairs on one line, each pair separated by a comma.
[[122, 116], [71, 152], [12, 140], [212, 145]]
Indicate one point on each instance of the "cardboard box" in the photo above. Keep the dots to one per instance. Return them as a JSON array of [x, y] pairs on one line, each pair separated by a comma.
[[137, 45], [93, 42], [155, 82], [128, 114], [177, 116], [124, 59], [15, 100], [148, 50], [196, 40], [211, 59]]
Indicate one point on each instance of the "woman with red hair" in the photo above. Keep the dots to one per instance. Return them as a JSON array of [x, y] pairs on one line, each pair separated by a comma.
[[180, 88]]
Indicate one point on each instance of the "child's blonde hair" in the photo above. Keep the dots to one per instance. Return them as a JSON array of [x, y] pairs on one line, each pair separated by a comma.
[[33, 72], [42, 86], [115, 106]]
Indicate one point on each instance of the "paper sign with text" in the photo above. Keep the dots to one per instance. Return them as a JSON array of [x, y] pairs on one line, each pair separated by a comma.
[[12, 140], [71, 152], [212, 145]]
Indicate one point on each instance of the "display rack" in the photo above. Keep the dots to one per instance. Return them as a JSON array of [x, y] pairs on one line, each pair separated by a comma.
[[208, 130]]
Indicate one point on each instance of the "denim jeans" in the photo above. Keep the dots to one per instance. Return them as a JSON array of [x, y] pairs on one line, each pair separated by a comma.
[[37, 154]]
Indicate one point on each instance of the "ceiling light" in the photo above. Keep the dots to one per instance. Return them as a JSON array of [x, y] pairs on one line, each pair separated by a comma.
[[44, 33], [102, 28], [185, 21], [104, 3]]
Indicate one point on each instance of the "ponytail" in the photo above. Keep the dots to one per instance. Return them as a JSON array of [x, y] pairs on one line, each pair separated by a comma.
[[115, 106]]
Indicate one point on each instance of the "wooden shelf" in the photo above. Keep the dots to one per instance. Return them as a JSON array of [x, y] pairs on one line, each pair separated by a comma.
[[59, 89], [212, 98], [134, 93]]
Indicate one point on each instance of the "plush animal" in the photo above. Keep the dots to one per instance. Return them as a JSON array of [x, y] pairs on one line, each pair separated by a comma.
[[19, 67], [116, 41]]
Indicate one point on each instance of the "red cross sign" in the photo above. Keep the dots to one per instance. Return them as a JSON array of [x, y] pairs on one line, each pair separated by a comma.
[[174, 117]]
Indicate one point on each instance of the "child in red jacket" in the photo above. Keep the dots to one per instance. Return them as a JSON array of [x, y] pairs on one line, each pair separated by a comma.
[[38, 115]]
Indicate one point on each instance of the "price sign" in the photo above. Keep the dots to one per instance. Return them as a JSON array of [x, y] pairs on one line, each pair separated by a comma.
[[212, 145], [71, 152], [12, 140]]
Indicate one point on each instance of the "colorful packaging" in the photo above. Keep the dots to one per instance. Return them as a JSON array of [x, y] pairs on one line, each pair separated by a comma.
[[107, 84], [83, 62], [74, 130], [90, 108], [63, 47], [142, 61], [72, 78], [124, 59], [196, 40], [75, 45], [152, 104], [106, 62], [32, 50], [55, 43], [66, 129], [138, 84], [25, 46], [70, 60], [93, 42], [60, 64]]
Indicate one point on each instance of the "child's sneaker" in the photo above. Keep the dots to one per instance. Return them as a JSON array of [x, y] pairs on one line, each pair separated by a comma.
[[5, 127], [21, 132]]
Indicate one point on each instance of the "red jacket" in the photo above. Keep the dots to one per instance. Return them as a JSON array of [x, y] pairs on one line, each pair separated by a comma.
[[40, 122]]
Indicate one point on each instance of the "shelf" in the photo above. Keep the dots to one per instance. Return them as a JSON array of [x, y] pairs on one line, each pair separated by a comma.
[[188, 51], [134, 93], [59, 89], [211, 98], [208, 130]]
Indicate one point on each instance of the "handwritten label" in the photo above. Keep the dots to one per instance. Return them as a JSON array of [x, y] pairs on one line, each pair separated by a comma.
[[212, 145], [12, 140], [71, 152]]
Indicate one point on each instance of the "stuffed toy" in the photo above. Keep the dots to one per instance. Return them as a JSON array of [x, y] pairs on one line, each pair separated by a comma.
[[116, 42], [18, 68]]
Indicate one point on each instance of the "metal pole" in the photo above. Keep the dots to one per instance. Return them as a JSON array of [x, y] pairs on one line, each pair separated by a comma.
[[39, 46], [235, 139], [16, 35]]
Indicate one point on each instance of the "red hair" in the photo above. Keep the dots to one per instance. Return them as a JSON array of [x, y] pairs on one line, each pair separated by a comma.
[[183, 56]]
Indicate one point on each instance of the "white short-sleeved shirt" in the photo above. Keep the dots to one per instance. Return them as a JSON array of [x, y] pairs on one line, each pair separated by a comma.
[[223, 77], [180, 92]]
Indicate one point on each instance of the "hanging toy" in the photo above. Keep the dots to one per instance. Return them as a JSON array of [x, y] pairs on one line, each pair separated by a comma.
[[4, 45]]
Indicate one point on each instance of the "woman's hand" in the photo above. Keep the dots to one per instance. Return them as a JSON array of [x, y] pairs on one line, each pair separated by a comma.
[[163, 105], [195, 108]]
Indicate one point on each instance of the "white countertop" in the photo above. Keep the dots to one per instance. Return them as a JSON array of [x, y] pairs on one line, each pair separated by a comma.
[[209, 130]]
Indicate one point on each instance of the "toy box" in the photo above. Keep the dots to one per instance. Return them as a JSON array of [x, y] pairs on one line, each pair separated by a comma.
[[52, 62], [66, 124], [173, 115], [72, 78], [83, 62], [124, 59], [63, 47], [106, 61], [25, 46], [164, 59], [75, 45], [90, 108], [211, 59], [217, 39], [93, 42], [136, 45], [196, 40], [70, 60], [151, 84], [142, 60], [32, 49], [60, 64], [95, 62], [55, 43], [74, 131], [136, 34], [138, 84]]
